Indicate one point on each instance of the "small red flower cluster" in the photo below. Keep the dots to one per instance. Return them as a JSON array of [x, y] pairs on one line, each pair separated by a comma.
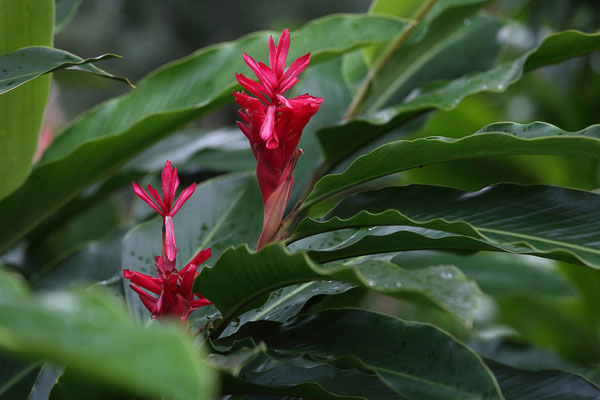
[[273, 124], [174, 288]]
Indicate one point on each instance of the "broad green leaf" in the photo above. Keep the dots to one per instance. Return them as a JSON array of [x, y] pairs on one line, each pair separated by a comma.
[[534, 138], [548, 220], [45, 380], [456, 43], [496, 274], [29, 63], [17, 377], [416, 360], [222, 212], [92, 333], [103, 139], [22, 23], [518, 384], [97, 261], [386, 239], [288, 301], [410, 9], [64, 12], [74, 386], [242, 279], [296, 376], [554, 49]]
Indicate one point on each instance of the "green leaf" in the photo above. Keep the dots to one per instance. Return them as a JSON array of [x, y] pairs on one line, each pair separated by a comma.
[[74, 386], [222, 212], [22, 23], [29, 63], [554, 49], [296, 376], [288, 302], [456, 43], [16, 377], [92, 333], [496, 274], [65, 10], [241, 280], [519, 384], [106, 137], [95, 261], [416, 360], [552, 222], [401, 155]]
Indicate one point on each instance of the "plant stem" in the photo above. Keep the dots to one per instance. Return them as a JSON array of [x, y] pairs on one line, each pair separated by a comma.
[[352, 110]]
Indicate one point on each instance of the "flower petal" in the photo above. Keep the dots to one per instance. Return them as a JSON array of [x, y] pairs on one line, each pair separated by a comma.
[[297, 66], [147, 282], [170, 245], [167, 175], [267, 129], [259, 73], [201, 257], [283, 47], [183, 197], [148, 301], [144, 196], [253, 87], [272, 54], [156, 197]]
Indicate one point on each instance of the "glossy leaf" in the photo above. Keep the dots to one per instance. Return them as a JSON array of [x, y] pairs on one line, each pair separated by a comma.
[[23, 23], [497, 274], [296, 376], [112, 133], [92, 333], [29, 63], [288, 301], [222, 212], [502, 139], [241, 280], [418, 361], [17, 377], [548, 220], [554, 49], [386, 239], [519, 384]]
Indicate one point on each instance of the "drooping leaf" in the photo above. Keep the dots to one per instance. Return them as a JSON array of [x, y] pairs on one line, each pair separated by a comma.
[[45, 380], [518, 384], [497, 274], [29, 63], [72, 386], [551, 221], [288, 301], [418, 361], [535, 138], [222, 212], [92, 333], [554, 49], [17, 376], [112, 133], [241, 280], [23, 23], [296, 376]]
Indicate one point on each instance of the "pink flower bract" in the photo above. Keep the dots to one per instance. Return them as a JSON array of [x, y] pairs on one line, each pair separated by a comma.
[[273, 125]]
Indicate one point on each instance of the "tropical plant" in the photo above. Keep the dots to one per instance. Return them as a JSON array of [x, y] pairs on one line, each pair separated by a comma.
[[379, 233]]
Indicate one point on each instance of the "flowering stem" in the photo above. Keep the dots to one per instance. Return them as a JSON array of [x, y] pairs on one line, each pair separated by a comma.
[[352, 110]]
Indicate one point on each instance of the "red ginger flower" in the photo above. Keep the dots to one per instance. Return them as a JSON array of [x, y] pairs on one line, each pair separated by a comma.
[[165, 206], [174, 288], [273, 124]]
